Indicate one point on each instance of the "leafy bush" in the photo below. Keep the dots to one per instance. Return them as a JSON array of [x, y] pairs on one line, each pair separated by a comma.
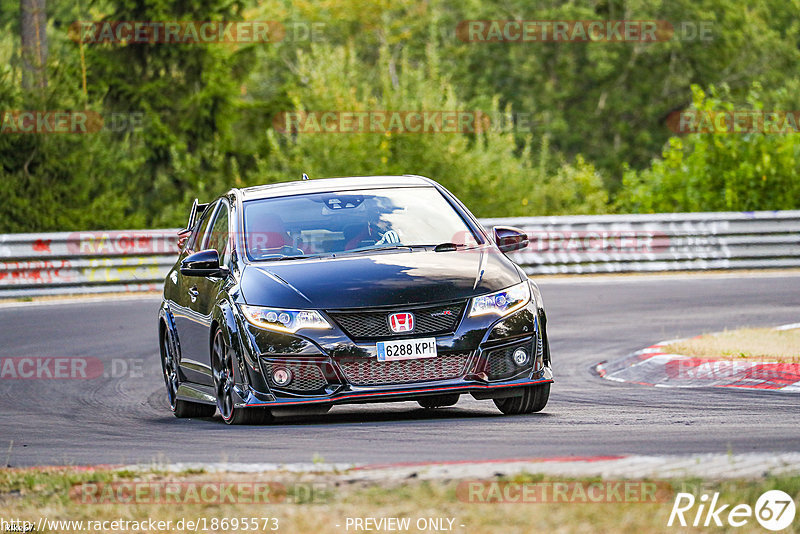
[[592, 107], [487, 170], [718, 171]]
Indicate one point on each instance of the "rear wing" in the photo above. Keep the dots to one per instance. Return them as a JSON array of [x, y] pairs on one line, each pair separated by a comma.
[[194, 214], [196, 211]]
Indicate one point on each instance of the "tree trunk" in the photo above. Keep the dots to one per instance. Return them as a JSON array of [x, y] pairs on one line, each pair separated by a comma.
[[33, 28]]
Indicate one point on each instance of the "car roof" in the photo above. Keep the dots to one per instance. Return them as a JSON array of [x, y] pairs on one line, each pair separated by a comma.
[[299, 187]]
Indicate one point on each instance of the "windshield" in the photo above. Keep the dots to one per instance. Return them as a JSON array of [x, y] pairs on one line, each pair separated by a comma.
[[350, 222]]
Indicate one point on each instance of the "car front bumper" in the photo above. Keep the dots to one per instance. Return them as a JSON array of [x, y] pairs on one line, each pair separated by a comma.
[[253, 399], [332, 369]]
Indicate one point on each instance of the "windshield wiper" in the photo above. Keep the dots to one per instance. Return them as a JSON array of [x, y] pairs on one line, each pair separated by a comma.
[[441, 247], [373, 249], [284, 258], [448, 247]]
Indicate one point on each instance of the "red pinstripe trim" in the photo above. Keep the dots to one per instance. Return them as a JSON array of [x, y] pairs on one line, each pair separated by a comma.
[[392, 393]]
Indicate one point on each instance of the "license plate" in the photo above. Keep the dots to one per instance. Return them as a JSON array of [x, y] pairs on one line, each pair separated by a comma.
[[406, 349]]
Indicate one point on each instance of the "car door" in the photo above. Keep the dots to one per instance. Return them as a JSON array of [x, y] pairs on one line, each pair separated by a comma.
[[203, 293], [184, 307]]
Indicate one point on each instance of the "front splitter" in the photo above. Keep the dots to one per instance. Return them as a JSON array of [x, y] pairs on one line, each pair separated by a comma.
[[390, 395]]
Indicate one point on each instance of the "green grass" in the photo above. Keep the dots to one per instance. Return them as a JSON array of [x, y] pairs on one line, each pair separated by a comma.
[[317, 503], [761, 344]]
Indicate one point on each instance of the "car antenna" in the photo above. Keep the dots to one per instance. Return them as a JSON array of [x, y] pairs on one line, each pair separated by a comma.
[[305, 176]]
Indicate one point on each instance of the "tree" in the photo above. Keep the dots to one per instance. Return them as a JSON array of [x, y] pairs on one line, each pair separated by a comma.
[[484, 169], [716, 171], [188, 94], [33, 31]]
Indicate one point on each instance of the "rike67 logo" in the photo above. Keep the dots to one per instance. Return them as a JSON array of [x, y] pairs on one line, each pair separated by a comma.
[[774, 510]]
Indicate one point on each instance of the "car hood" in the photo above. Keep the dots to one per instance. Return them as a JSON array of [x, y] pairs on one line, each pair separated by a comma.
[[379, 279]]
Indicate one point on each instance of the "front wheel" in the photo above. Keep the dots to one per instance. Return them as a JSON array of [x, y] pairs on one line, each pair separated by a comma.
[[169, 365], [533, 399], [224, 380]]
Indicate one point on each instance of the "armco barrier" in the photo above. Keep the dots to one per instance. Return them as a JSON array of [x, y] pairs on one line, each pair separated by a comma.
[[659, 242], [89, 262], [85, 262]]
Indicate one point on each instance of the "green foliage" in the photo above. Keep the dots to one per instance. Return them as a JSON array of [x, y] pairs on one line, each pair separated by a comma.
[[718, 171], [62, 181], [597, 110], [188, 94], [605, 100], [609, 100], [486, 170]]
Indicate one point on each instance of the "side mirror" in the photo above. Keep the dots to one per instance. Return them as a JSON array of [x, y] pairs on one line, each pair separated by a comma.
[[203, 263], [509, 238]]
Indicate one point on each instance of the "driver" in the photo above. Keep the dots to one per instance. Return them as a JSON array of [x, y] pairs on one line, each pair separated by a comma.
[[267, 233]]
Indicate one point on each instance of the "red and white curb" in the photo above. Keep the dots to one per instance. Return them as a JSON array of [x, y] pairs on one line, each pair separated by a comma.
[[717, 466], [653, 366], [705, 465], [714, 466]]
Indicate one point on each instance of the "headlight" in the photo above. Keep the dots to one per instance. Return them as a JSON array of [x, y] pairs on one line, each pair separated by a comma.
[[503, 302], [284, 320]]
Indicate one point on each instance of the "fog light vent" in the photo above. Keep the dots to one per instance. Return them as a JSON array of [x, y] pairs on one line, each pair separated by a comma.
[[281, 376]]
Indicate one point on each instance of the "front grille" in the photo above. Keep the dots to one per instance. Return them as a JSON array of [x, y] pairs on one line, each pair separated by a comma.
[[500, 363], [304, 377], [428, 320], [371, 372]]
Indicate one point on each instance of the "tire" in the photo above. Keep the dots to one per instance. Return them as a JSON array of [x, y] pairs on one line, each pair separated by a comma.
[[533, 399], [438, 401], [224, 380], [249, 416], [169, 366], [193, 410]]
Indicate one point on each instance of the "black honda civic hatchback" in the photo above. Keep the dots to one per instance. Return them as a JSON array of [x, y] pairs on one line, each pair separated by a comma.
[[301, 295]]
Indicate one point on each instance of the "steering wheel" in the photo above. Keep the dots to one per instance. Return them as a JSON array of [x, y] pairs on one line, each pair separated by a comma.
[[389, 238]]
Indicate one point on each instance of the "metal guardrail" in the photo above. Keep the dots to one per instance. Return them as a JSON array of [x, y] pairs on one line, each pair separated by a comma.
[[138, 260], [85, 262], [658, 242]]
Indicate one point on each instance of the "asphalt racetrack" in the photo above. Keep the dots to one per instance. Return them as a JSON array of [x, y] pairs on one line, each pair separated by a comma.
[[125, 418]]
